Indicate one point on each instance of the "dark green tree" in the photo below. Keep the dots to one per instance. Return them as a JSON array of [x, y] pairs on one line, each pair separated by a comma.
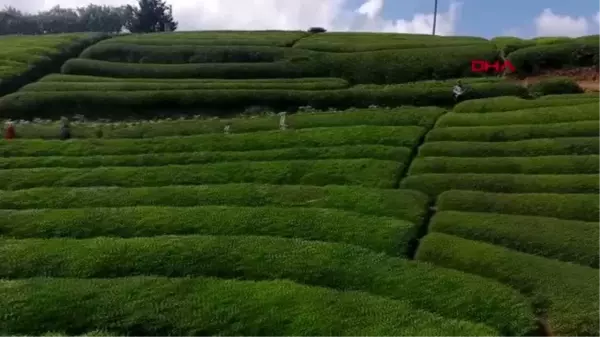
[[150, 16]]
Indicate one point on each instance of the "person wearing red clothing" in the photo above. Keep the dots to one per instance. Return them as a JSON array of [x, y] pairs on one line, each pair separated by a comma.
[[9, 133]]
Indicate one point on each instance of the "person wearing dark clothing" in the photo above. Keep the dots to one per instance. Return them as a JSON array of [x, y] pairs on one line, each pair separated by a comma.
[[65, 132]]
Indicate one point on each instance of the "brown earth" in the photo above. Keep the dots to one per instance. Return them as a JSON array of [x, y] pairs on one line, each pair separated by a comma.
[[587, 77]]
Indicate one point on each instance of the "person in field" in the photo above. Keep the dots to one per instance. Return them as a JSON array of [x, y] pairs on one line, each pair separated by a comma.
[[458, 91], [9, 133], [65, 130]]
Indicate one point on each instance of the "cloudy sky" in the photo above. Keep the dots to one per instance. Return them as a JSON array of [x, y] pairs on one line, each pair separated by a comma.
[[488, 18]]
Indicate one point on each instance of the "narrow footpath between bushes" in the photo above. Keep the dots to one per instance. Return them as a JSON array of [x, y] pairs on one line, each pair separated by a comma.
[[544, 328]]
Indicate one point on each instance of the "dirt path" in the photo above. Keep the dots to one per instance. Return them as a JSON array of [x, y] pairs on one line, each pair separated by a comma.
[[587, 78]]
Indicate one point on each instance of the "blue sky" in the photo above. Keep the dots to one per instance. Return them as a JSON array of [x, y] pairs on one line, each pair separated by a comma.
[[491, 18], [487, 18]]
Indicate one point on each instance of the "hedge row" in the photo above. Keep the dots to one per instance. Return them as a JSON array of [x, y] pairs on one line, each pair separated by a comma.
[[442, 291], [402, 116], [226, 38], [499, 104], [192, 53], [532, 60], [402, 204], [291, 84], [522, 148], [156, 306], [436, 183], [399, 154], [363, 172], [379, 234], [582, 207], [403, 136], [575, 113], [557, 85], [567, 293], [502, 133], [63, 47], [379, 67], [517, 165], [357, 42], [565, 240], [116, 104]]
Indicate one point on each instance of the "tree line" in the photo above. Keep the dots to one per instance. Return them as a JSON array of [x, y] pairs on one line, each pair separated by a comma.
[[147, 16]]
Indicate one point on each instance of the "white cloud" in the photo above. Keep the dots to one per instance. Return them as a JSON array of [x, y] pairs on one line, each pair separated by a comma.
[[333, 15], [550, 24], [597, 18]]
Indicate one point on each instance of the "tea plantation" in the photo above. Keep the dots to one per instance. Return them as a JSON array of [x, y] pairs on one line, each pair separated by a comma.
[[184, 204]]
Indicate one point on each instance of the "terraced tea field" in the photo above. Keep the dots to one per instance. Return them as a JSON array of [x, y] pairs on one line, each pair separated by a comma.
[[432, 219]]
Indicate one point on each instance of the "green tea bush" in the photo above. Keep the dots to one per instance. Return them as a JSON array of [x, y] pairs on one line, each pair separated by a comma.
[[563, 114], [582, 207], [518, 165], [402, 204], [378, 67], [442, 291], [25, 59], [153, 103], [436, 183], [352, 42], [499, 104], [213, 38], [402, 116], [521, 148], [565, 240], [502, 133], [291, 84], [228, 70], [403, 136], [564, 292], [376, 233], [193, 53], [508, 44], [532, 60], [555, 86], [363, 172], [261, 308], [400, 154]]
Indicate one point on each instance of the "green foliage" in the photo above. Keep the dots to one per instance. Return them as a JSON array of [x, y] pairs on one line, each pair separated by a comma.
[[400, 154], [150, 16], [24, 59], [213, 38], [582, 207], [565, 240], [402, 116], [363, 172], [532, 60], [193, 53], [442, 291], [503, 133], [499, 104], [387, 235], [226, 307], [403, 136], [563, 114], [519, 165], [555, 86], [521, 148], [125, 85], [347, 42], [436, 183], [402, 204], [153, 103], [566, 293]]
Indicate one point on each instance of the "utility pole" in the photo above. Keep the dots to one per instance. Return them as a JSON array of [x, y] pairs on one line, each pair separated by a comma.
[[434, 16]]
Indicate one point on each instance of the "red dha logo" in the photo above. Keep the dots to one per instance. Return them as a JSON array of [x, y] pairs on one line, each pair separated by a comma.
[[483, 66]]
